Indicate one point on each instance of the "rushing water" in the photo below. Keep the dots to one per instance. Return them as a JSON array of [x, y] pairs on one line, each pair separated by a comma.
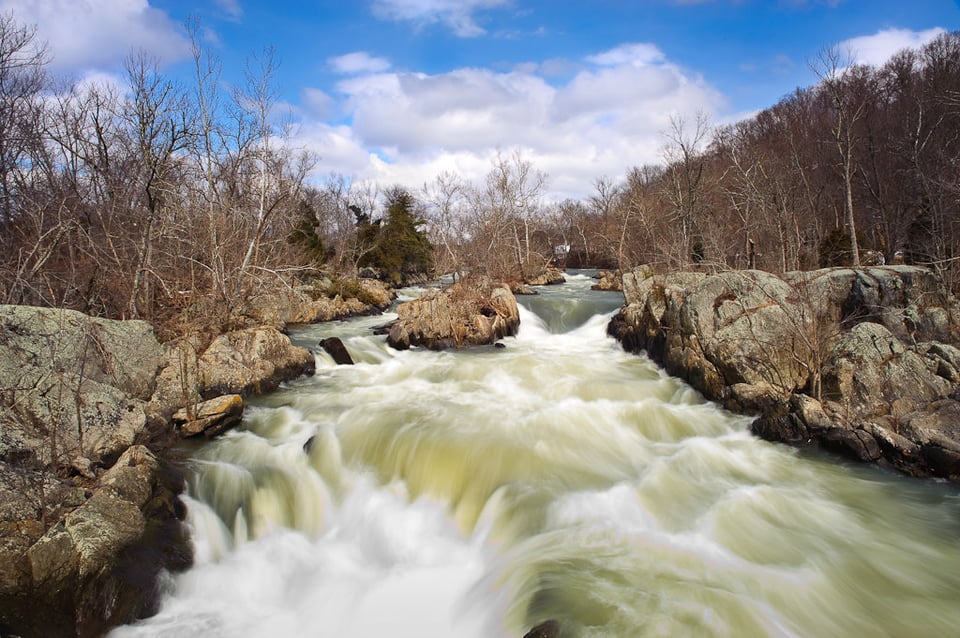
[[475, 494]]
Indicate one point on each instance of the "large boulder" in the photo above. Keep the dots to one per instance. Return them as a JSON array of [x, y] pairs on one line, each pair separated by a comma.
[[75, 386], [860, 362], [251, 361], [466, 313], [324, 300], [549, 276], [99, 564]]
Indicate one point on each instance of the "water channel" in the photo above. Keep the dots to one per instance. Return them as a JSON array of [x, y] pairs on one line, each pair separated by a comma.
[[478, 493]]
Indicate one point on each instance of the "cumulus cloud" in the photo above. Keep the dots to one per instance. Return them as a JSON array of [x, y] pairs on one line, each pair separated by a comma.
[[98, 34], [876, 49], [455, 14], [358, 62], [601, 120]]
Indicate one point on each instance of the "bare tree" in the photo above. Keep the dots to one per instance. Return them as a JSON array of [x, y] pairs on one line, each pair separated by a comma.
[[685, 170], [161, 124], [834, 71]]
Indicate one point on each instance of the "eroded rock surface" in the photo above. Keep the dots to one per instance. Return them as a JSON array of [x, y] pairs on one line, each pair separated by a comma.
[[862, 362], [88, 515], [473, 313]]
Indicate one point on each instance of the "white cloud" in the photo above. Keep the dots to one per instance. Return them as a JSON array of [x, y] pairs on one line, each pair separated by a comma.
[[407, 127], [635, 54], [358, 62], [231, 8], [99, 34], [455, 14], [876, 49]]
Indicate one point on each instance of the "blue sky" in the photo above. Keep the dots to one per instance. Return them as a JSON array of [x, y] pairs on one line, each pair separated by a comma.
[[397, 91]]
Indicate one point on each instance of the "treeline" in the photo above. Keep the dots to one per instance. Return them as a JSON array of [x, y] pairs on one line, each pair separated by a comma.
[[864, 167], [175, 201]]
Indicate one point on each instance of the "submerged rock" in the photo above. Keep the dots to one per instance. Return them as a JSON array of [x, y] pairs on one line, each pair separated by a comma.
[[861, 362], [548, 629], [474, 313]]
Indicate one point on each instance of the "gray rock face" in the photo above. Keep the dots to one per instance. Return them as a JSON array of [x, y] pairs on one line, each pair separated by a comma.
[[87, 518], [76, 385], [85, 574], [861, 362], [461, 315]]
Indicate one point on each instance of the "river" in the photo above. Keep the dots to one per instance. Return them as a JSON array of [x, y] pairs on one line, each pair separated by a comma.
[[477, 493]]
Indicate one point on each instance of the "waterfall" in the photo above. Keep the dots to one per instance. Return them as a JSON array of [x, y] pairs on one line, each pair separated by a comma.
[[478, 493]]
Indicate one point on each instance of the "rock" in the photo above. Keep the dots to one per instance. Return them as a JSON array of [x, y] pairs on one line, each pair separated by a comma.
[[475, 313], [84, 574], [877, 345], [874, 373], [608, 281], [520, 288], [548, 629], [324, 300], [210, 418], [720, 330], [335, 348], [857, 444], [178, 383], [251, 361], [73, 387], [550, 276]]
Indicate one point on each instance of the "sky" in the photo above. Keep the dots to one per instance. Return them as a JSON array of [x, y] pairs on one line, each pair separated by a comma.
[[399, 91]]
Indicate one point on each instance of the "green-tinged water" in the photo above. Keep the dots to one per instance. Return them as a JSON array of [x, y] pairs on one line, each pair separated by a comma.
[[478, 493]]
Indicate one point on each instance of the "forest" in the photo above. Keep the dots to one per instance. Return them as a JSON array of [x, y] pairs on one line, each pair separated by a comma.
[[165, 201]]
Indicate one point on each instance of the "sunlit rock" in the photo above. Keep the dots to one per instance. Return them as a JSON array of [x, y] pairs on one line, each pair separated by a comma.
[[859, 361], [250, 362], [209, 418], [475, 313]]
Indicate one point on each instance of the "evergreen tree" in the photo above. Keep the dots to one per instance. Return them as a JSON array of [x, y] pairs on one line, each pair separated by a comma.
[[399, 247]]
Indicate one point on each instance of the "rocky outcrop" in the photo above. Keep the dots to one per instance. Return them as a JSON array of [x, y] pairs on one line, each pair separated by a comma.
[[607, 280], [98, 565], [324, 300], [861, 362], [471, 313], [88, 517], [250, 361], [76, 386], [550, 276]]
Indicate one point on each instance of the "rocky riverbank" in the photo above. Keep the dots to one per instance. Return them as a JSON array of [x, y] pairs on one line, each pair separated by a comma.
[[860, 362], [89, 513]]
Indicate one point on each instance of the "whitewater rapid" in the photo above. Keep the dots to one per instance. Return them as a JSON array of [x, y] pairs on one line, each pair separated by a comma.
[[478, 493]]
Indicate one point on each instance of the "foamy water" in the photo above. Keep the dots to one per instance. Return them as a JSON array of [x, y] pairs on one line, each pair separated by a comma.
[[479, 493]]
